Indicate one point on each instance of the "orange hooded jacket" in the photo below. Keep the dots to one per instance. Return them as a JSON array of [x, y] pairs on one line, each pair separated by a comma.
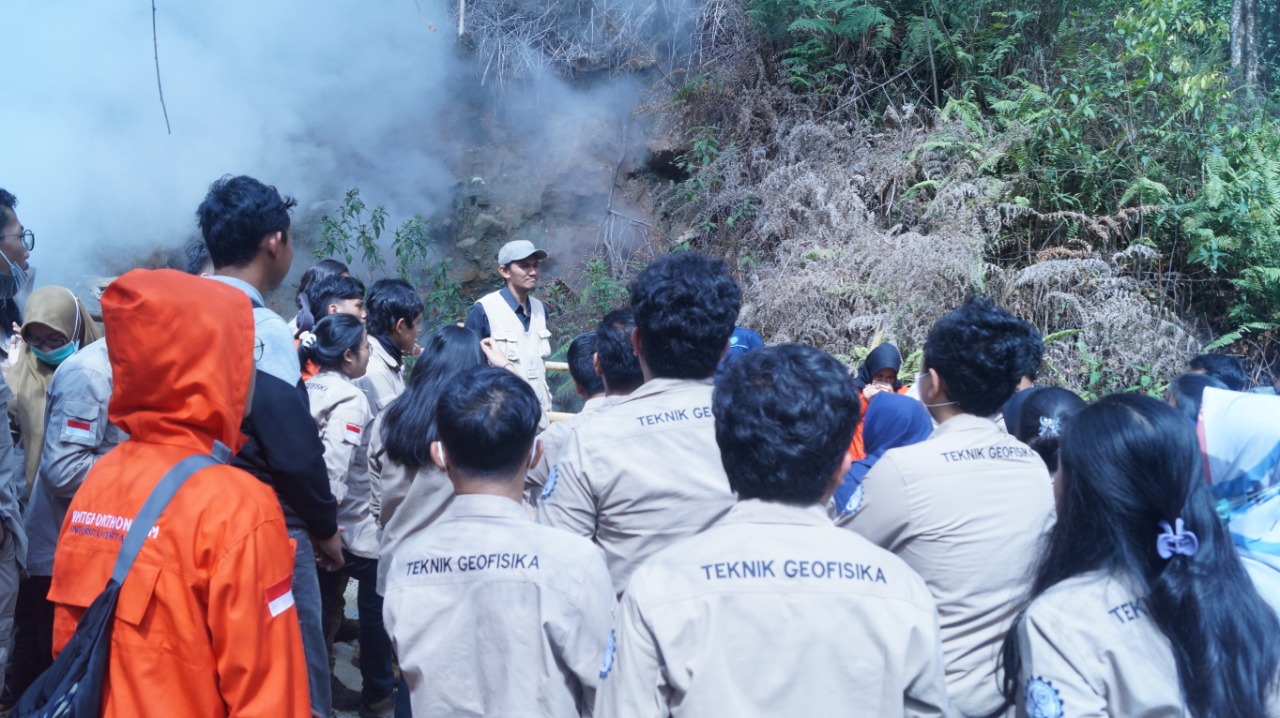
[[205, 624]]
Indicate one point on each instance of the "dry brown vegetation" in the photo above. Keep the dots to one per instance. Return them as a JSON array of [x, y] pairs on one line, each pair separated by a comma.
[[837, 247]]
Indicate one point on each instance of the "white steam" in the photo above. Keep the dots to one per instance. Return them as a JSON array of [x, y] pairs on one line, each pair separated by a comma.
[[313, 97]]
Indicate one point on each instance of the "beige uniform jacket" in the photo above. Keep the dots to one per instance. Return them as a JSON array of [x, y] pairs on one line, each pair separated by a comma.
[[342, 415], [493, 615], [640, 475], [406, 501], [775, 612], [553, 440], [967, 509], [1090, 650], [383, 380]]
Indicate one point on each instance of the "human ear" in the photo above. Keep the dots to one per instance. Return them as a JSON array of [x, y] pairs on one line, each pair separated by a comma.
[[437, 456], [837, 478], [535, 454]]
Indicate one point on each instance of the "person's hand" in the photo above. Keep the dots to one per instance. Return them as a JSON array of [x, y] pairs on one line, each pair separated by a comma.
[[329, 551], [15, 340], [493, 353], [872, 389], [417, 350]]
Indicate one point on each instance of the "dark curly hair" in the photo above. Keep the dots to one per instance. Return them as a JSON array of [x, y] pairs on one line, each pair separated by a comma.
[[980, 351], [784, 419], [685, 307]]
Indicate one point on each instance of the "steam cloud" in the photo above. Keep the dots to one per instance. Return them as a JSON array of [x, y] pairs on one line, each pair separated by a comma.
[[314, 97]]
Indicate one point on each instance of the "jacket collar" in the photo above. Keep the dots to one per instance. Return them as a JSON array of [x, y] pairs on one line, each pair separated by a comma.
[[243, 286], [663, 385], [486, 506], [756, 511], [380, 352], [964, 422]]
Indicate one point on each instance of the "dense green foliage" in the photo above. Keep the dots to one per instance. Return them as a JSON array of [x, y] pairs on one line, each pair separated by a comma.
[[1128, 112]]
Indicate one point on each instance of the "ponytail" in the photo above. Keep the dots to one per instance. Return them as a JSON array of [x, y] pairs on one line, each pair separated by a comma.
[[333, 336]]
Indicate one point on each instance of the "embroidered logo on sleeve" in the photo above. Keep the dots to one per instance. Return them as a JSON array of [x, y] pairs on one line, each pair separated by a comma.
[[80, 428], [854, 504], [352, 433], [609, 650], [551, 483], [1043, 700], [280, 597]]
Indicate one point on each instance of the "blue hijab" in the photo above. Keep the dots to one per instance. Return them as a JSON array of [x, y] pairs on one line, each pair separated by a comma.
[[891, 421]]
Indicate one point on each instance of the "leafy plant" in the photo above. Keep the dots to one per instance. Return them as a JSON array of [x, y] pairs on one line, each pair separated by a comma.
[[357, 230]]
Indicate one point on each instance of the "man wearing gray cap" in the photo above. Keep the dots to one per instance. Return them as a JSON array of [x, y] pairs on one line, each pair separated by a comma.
[[513, 321]]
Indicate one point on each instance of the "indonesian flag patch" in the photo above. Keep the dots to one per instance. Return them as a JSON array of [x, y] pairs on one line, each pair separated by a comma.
[[280, 597], [353, 433], [79, 428]]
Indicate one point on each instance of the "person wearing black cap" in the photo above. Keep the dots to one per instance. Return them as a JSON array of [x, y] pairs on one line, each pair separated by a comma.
[[513, 321]]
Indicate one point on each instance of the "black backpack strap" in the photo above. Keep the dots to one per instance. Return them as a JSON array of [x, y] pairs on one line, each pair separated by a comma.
[[156, 503]]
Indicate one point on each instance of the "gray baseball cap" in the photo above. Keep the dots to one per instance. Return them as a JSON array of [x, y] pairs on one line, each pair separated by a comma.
[[518, 250]]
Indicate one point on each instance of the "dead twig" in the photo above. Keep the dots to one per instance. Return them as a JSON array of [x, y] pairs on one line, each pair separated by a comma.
[[155, 46]]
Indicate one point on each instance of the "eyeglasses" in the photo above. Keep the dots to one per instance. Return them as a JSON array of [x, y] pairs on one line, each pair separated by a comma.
[[48, 343], [28, 239]]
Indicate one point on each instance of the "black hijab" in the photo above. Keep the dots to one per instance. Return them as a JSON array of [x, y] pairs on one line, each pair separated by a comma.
[[885, 356]]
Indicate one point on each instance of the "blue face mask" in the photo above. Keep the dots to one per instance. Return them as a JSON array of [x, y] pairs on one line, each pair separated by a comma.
[[11, 284], [57, 356]]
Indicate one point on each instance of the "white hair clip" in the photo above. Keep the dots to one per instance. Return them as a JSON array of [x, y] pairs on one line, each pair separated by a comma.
[[1050, 427], [307, 339]]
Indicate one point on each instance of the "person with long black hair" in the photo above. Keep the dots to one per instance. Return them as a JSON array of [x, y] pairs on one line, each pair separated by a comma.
[[409, 491], [1140, 605], [339, 348]]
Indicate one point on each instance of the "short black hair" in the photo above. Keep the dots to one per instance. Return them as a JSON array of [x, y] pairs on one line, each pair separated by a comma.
[[236, 214], [619, 365], [980, 350], [7, 204], [389, 301], [685, 308], [1029, 360], [333, 289], [784, 418], [581, 366], [323, 269], [196, 257], [1186, 392], [1225, 368], [487, 421]]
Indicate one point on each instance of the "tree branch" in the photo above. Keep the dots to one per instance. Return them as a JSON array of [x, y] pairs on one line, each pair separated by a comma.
[[155, 46]]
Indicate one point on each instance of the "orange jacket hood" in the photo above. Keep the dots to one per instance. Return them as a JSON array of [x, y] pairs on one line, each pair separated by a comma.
[[179, 377]]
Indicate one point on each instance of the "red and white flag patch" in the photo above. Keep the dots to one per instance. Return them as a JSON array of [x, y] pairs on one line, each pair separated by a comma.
[[280, 597], [79, 428], [353, 433]]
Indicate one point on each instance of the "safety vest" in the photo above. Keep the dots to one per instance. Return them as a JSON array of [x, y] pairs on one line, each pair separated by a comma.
[[526, 349]]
